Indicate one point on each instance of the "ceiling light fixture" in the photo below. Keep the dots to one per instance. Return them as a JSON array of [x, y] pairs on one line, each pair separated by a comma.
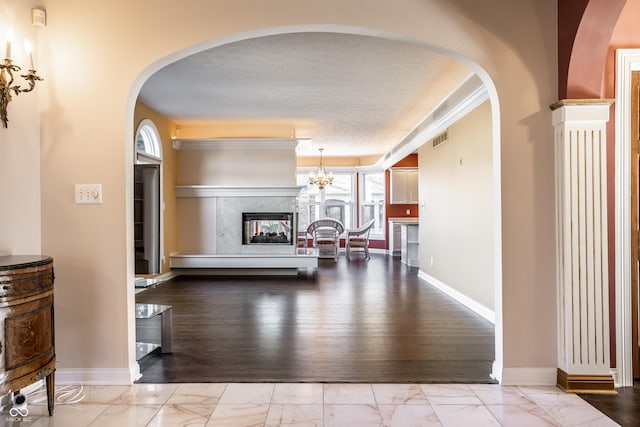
[[321, 178]]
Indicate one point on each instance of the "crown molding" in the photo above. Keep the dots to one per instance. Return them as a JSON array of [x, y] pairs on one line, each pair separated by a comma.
[[261, 144], [464, 99]]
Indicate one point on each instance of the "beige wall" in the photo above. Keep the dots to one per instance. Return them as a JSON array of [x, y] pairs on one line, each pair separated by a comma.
[[456, 222], [169, 163], [20, 147], [95, 56], [231, 167], [223, 165]]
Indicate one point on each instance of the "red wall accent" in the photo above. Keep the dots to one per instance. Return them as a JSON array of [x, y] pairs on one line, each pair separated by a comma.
[[394, 211], [588, 55], [569, 16]]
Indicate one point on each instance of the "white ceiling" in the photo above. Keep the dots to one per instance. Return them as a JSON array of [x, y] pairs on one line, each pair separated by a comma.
[[352, 95]]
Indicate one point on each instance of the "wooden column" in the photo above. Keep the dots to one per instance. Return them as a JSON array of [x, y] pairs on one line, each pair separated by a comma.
[[582, 255]]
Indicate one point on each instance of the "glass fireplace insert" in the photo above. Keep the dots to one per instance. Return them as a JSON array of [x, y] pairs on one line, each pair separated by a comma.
[[267, 228]]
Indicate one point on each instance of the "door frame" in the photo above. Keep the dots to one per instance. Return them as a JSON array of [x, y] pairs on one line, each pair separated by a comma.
[[155, 157], [627, 61], [635, 219]]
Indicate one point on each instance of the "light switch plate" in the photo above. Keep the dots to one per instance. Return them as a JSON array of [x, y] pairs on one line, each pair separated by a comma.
[[88, 194]]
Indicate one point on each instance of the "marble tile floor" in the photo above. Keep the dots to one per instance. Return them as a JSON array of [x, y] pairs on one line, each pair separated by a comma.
[[310, 404]]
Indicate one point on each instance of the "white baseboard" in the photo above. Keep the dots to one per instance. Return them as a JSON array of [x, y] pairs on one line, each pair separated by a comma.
[[475, 306], [615, 374], [525, 376], [96, 376]]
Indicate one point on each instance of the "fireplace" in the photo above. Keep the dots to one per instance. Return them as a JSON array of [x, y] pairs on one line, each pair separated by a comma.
[[259, 228]]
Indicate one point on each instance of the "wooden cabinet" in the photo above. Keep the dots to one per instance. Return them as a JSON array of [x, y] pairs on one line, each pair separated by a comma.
[[404, 185], [27, 353]]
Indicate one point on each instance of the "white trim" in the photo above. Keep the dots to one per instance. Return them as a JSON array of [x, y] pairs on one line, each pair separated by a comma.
[[263, 144], [627, 60], [308, 259], [525, 376], [473, 305], [466, 97], [157, 141], [222, 191], [616, 377], [96, 376], [142, 158]]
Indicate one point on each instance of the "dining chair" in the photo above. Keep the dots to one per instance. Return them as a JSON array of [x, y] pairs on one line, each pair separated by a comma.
[[325, 234], [358, 238]]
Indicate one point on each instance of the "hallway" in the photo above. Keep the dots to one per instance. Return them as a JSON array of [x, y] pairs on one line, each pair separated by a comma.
[[358, 322]]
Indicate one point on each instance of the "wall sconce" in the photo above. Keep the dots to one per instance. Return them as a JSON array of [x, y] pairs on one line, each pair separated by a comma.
[[7, 78]]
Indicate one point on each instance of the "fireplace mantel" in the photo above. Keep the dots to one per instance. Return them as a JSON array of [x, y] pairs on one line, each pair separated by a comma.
[[236, 191]]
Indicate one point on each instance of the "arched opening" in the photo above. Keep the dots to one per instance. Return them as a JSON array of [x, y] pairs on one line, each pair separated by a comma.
[[147, 201], [495, 124]]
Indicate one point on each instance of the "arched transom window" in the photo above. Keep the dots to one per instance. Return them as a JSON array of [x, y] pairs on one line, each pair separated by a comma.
[[148, 140]]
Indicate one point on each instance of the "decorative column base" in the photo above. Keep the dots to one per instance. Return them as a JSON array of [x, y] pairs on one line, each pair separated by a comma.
[[586, 384]]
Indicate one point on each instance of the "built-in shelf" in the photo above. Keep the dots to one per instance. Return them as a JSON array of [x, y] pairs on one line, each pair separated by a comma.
[[410, 252], [395, 235]]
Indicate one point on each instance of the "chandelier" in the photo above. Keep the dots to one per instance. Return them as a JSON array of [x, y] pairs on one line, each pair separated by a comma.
[[321, 178]]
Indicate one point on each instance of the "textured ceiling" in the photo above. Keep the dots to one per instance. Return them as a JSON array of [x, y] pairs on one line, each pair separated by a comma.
[[352, 95]]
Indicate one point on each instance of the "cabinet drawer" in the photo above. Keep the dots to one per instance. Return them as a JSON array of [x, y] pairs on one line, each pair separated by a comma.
[[39, 279]]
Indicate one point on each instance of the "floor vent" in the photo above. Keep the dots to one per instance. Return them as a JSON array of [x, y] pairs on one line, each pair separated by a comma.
[[440, 139]]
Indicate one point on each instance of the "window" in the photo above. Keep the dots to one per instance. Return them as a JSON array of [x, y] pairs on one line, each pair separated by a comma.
[[372, 201], [147, 142], [334, 201]]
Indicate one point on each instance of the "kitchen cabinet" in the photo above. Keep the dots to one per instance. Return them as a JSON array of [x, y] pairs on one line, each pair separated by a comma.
[[398, 240], [404, 186]]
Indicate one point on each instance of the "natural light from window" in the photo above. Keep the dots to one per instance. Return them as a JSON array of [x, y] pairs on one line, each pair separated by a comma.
[[338, 200], [147, 139]]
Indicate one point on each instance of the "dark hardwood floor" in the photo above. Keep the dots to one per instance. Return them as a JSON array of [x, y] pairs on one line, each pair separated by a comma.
[[623, 408], [355, 321]]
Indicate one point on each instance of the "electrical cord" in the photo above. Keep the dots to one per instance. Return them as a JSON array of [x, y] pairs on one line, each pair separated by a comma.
[[64, 395]]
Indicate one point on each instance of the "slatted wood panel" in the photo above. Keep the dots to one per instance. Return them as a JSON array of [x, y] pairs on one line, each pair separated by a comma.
[[358, 321]]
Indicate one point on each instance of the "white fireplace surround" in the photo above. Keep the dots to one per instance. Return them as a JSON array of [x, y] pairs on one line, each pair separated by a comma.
[[215, 224]]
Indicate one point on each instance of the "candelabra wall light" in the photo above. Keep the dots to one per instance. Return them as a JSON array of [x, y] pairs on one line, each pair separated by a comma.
[[8, 73]]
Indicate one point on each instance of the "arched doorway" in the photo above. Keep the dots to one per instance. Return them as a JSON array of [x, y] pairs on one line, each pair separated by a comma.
[[495, 174], [147, 199]]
